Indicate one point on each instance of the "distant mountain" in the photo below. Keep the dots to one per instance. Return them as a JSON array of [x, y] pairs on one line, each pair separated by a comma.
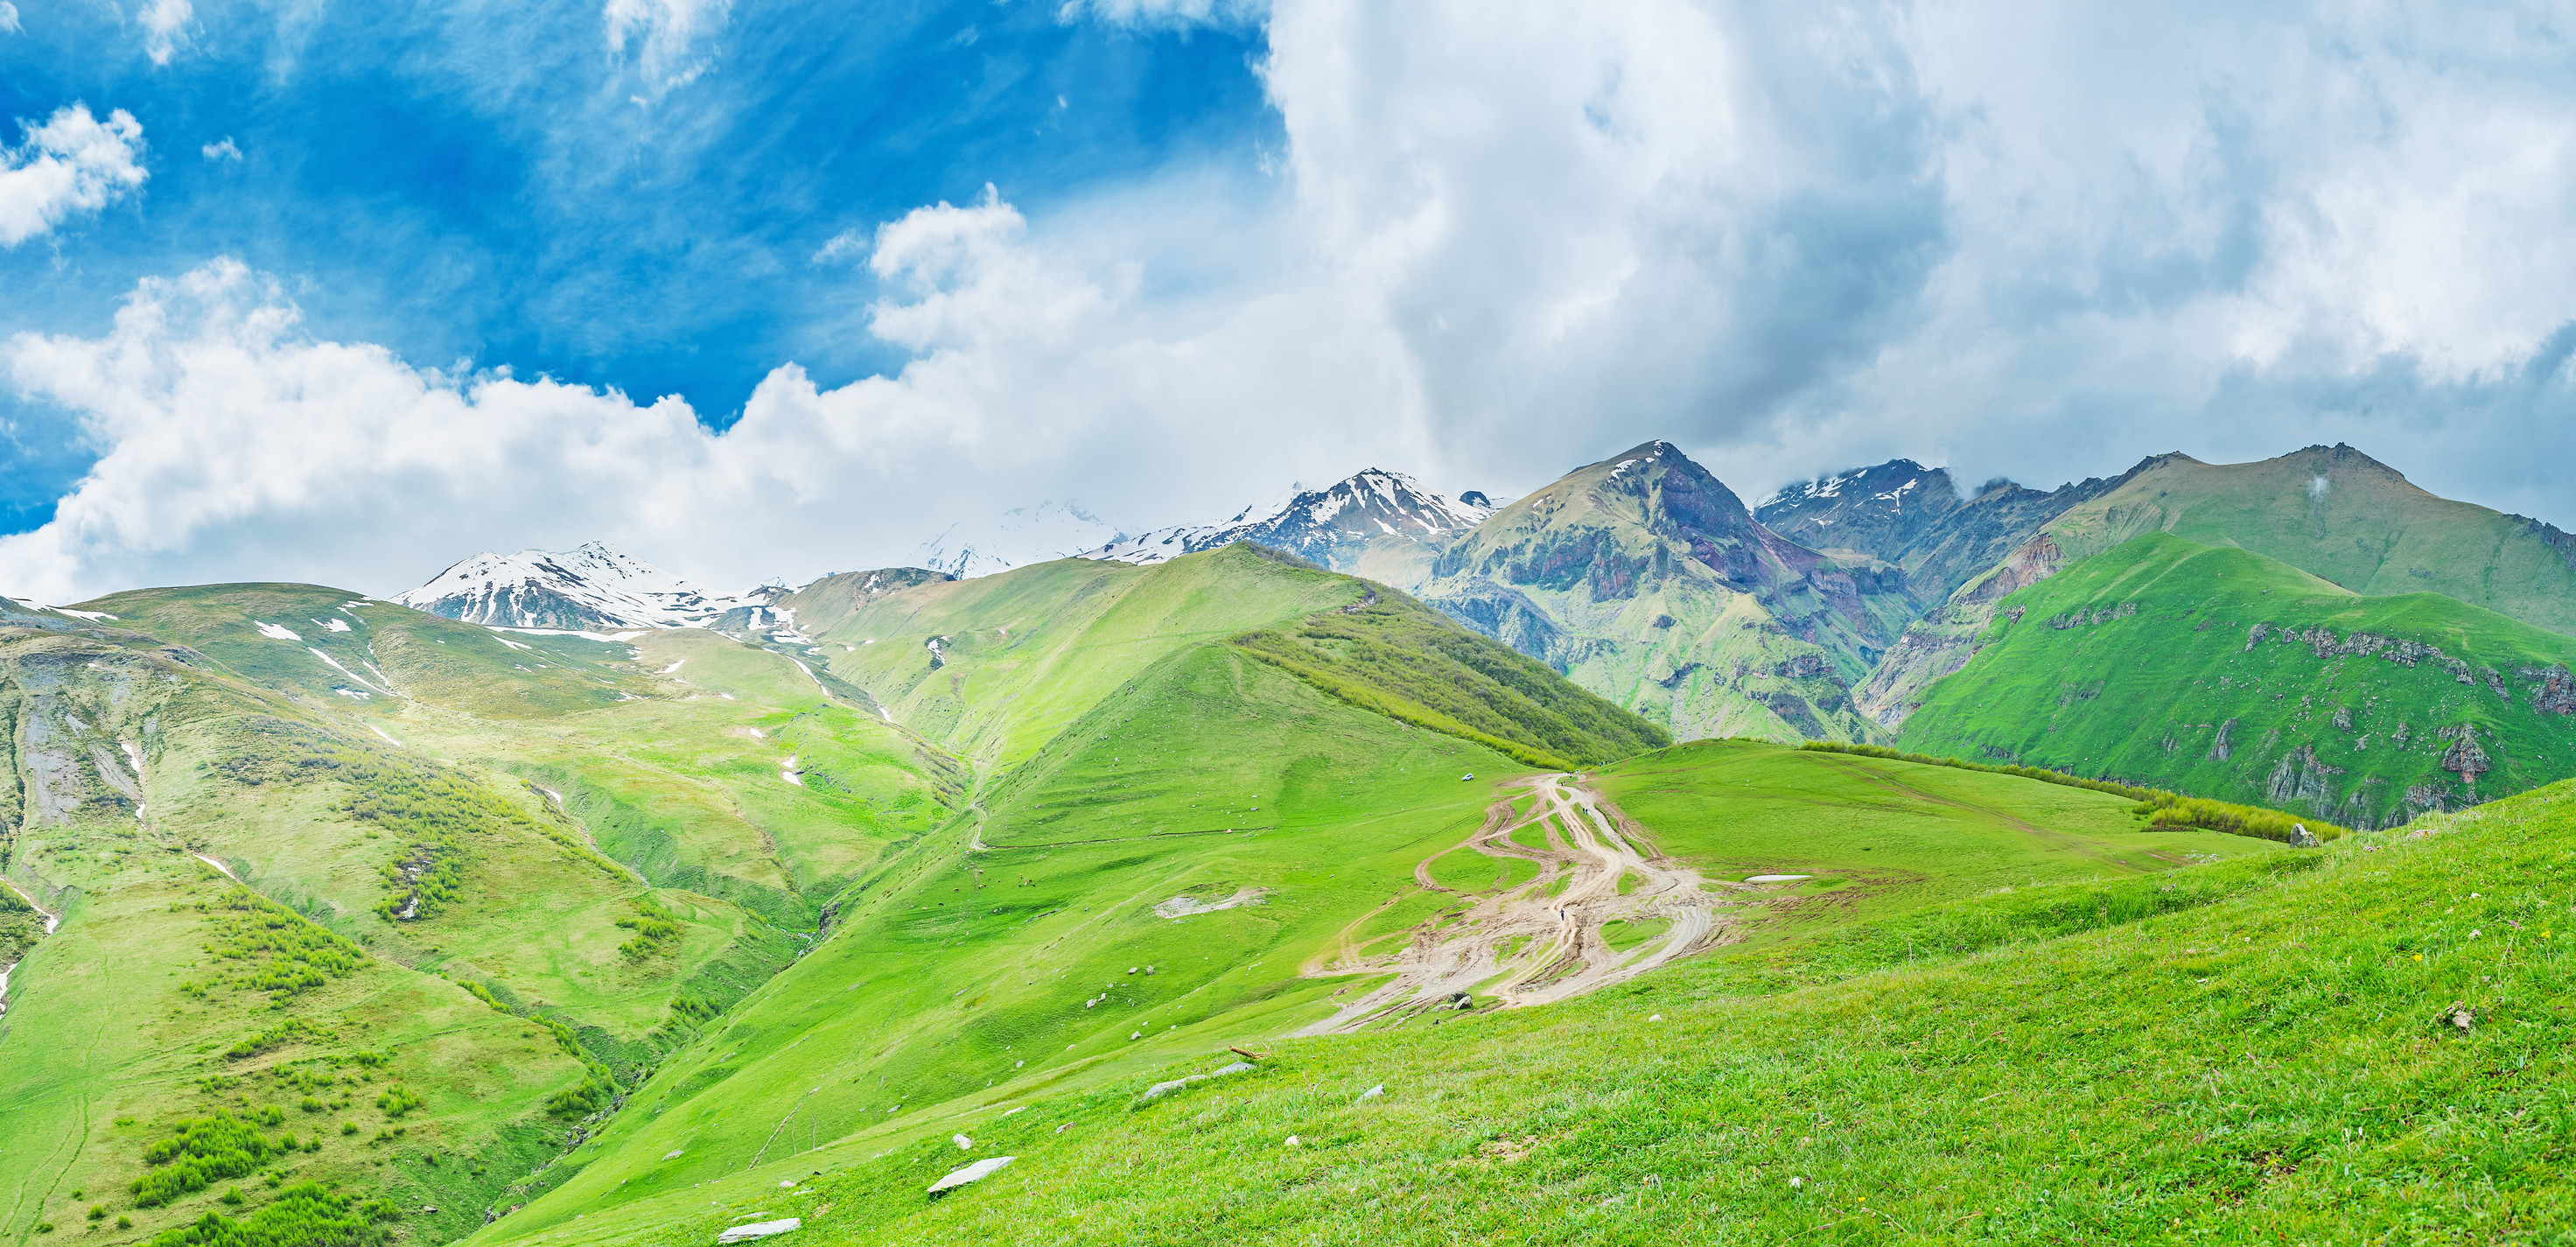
[[1913, 516], [1646, 580], [1018, 537], [2223, 673], [1377, 523], [596, 587], [2330, 511]]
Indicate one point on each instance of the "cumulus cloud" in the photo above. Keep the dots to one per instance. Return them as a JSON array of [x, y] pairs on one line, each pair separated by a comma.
[[221, 151], [239, 446], [665, 35], [1503, 237], [72, 163], [164, 27]]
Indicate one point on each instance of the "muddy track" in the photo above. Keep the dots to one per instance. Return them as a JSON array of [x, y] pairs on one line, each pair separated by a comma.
[[1542, 940]]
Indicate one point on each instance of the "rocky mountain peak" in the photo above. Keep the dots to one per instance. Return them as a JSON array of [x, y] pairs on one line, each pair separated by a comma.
[[591, 587], [1325, 525]]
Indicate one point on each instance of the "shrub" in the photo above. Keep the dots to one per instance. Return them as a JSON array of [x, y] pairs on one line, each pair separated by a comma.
[[200, 1152], [397, 1101], [303, 1215]]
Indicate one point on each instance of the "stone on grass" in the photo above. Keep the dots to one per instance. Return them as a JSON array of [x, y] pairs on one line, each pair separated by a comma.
[[961, 1141], [1292, 1140], [1374, 1092], [1161, 1089], [759, 1229], [976, 1172]]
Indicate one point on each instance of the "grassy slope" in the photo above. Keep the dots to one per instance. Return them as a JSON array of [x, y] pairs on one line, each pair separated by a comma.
[[2143, 696], [1880, 836], [1023, 655], [2258, 1050], [104, 1023], [2338, 514], [535, 918], [1212, 774], [1399, 657], [1193, 771]]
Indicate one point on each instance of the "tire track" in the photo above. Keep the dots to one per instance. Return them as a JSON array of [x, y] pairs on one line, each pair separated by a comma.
[[1542, 940]]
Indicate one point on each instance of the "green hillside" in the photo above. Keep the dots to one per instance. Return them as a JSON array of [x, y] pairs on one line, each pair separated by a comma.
[[2337, 513], [2361, 1043], [486, 881], [1202, 771], [581, 937], [2219, 672]]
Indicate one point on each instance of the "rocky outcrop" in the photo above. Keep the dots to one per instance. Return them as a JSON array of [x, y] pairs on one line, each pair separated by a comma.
[[1647, 580]]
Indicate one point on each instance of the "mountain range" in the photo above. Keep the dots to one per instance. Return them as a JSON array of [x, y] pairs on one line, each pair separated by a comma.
[[561, 901]]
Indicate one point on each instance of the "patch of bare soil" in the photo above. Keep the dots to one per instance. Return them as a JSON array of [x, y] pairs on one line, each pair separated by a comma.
[[1541, 941]]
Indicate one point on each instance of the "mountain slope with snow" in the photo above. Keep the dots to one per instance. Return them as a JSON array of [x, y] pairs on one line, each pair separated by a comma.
[[591, 588], [1021, 536], [1335, 526]]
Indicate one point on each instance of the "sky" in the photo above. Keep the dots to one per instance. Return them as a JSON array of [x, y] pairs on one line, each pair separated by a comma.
[[342, 293]]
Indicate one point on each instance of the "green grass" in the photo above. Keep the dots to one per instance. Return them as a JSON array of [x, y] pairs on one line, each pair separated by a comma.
[[171, 993], [1395, 656], [2261, 1050], [1891, 834], [2130, 664], [2336, 514]]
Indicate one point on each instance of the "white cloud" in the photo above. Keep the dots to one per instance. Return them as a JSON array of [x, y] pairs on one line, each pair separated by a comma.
[[665, 34], [1505, 236], [221, 151], [164, 26], [849, 244], [73, 162], [1164, 13], [9, 17]]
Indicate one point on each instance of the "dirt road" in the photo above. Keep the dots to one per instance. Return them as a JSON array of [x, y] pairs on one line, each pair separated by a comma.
[[1542, 940]]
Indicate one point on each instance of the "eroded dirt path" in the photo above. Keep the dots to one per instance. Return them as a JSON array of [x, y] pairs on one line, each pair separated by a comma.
[[1542, 940]]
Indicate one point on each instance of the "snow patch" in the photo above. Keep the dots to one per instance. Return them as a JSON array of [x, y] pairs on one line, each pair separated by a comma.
[[275, 633]]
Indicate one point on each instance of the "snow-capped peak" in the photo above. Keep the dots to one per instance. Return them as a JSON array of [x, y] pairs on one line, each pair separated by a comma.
[[1319, 524], [1023, 535], [594, 586]]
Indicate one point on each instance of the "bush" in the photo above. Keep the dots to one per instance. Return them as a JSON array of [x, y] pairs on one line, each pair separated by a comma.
[[202, 1151], [303, 1215], [397, 1101], [651, 925]]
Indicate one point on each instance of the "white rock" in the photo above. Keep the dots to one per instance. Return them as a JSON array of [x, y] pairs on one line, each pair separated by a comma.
[[1292, 1140], [1654, 1017], [759, 1229], [961, 1141], [1160, 1089], [972, 1173], [786, 1182], [673, 1154], [1374, 1092]]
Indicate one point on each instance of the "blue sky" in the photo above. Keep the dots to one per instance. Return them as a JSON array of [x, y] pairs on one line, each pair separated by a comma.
[[495, 183], [322, 291]]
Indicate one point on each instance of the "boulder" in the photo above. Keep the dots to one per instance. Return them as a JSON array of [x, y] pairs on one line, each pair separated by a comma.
[[976, 1172], [759, 1229]]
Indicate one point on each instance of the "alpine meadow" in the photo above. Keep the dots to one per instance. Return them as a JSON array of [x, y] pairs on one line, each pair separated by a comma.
[[682, 624]]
